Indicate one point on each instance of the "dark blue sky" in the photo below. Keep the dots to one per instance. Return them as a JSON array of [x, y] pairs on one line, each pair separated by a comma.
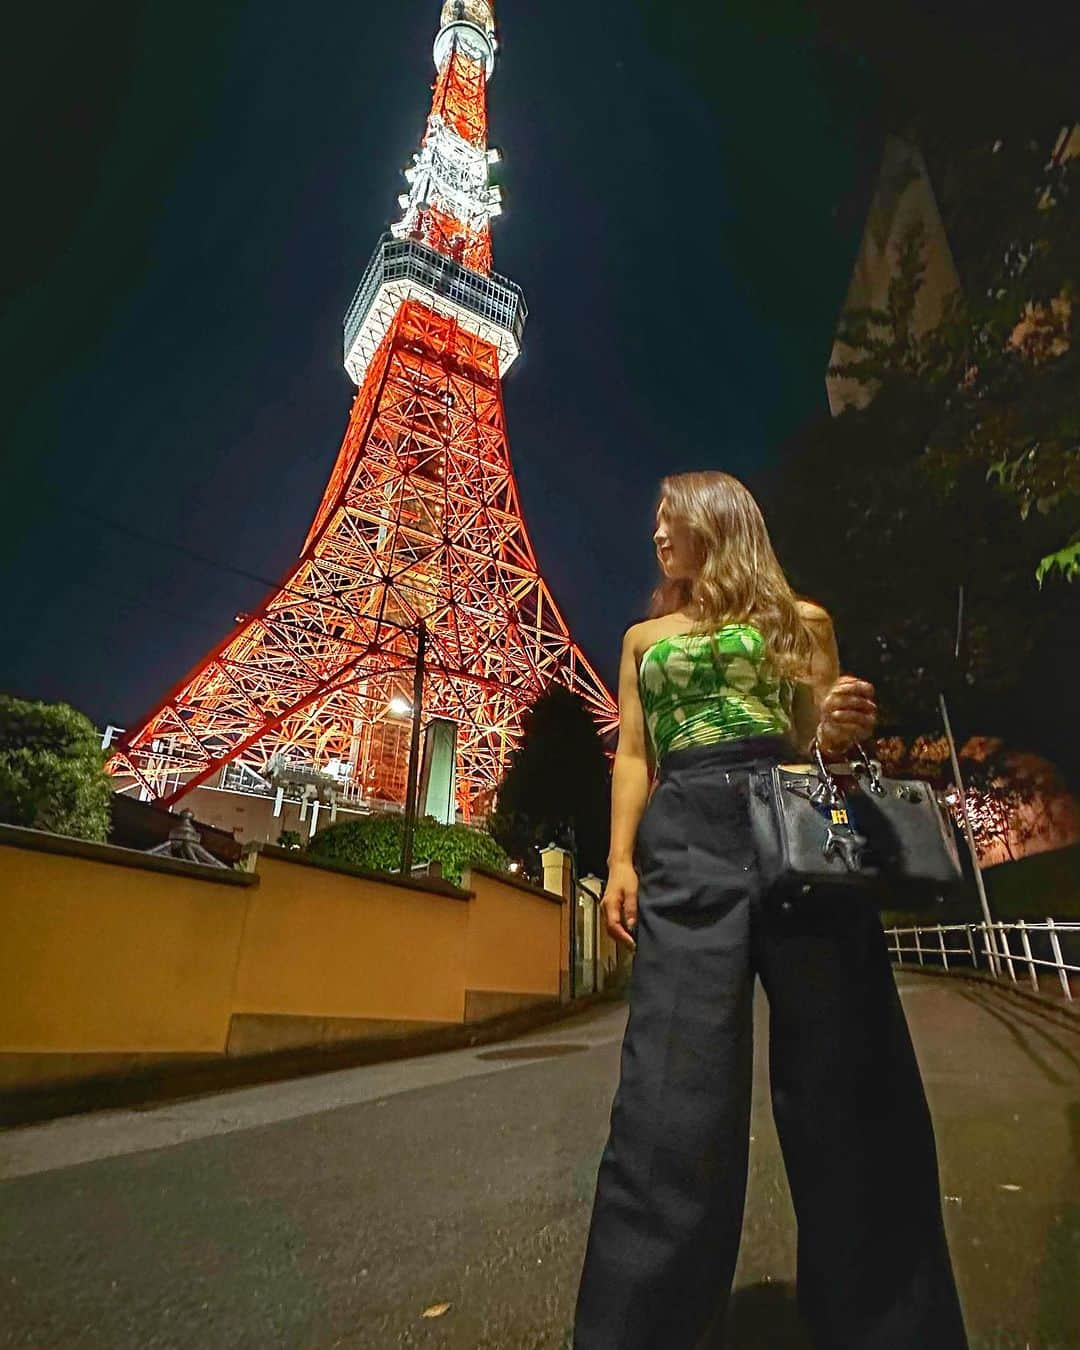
[[203, 188]]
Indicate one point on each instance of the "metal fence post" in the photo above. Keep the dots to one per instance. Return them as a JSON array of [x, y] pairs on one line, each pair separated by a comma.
[[1025, 942], [1055, 947], [1008, 959], [1006, 950], [989, 952]]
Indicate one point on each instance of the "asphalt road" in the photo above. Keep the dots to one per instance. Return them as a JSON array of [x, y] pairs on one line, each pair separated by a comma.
[[444, 1201]]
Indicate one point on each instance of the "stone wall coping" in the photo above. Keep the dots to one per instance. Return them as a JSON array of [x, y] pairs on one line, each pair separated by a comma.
[[41, 841], [519, 883], [295, 856]]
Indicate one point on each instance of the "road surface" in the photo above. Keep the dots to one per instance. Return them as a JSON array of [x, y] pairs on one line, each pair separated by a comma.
[[336, 1211]]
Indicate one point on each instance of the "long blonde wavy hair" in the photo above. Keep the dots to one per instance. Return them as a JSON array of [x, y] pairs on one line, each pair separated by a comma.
[[738, 578]]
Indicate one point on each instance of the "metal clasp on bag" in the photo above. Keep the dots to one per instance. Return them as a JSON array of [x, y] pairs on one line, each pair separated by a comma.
[[828, 790], [877, 786], [873, 768], [841, 837]]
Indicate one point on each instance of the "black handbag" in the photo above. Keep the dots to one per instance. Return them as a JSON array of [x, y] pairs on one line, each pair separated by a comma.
[[849, 826]]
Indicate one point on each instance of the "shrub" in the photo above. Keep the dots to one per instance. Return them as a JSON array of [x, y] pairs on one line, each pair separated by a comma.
[[375, 843], [52, 774]]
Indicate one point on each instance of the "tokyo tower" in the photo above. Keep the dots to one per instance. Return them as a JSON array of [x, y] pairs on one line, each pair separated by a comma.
[[420, 521]]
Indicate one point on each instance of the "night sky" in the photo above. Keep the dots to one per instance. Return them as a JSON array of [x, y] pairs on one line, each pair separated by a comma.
[[203, 187]]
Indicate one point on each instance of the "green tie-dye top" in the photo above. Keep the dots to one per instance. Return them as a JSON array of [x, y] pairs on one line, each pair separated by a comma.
[[693, 694]]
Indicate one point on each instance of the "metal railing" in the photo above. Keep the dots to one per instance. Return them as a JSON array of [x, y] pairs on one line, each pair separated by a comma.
[[978, 945]]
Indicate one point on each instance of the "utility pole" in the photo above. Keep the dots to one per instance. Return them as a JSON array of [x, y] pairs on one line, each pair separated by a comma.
[[414, 750], [969, 835], [570, 835]]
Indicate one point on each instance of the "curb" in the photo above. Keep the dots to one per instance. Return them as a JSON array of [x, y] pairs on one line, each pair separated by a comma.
[[174, 1082], [1067, 1013]]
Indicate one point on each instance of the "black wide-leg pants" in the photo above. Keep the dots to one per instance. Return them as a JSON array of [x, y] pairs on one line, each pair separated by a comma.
[[873, 1265]]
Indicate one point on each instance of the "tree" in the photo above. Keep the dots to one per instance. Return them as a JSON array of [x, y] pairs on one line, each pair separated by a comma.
[[962, 471], [557, 786], [996, 385], [1010, 796], [52, 774], [374, 844], [859, 527], [1015, 408]]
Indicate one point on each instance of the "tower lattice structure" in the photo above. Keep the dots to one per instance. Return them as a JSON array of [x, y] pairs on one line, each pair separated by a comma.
[[421, 519]]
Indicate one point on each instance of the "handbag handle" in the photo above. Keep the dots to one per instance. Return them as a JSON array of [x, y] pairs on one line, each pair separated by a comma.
[[832, 787], [874, 770]]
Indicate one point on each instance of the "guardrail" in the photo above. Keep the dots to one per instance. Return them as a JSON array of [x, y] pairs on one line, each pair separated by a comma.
[[980, 944]]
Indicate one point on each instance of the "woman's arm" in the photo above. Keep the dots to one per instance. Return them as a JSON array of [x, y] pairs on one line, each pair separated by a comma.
[[838, 709], [630, 780], [821, 675]]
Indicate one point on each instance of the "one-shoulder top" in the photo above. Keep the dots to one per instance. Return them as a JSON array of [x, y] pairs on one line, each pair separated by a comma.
[[695, 694]]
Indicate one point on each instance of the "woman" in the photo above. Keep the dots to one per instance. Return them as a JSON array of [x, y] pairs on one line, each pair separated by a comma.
[[731, 671]]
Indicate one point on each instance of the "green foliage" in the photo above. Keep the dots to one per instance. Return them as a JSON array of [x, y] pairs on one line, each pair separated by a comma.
[[556, 788], [859, 526], [996, 385], [375, 844], [52, 770], [290, 839], [1066, 561], [962, 471]]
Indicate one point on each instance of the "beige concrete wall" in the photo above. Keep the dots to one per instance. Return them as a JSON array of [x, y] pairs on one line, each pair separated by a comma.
[[99, 956], [514, 944], [557, 879], [323, 944], [111, 960]]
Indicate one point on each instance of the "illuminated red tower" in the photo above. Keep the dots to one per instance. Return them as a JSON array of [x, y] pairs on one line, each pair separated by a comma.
[[420, 520]]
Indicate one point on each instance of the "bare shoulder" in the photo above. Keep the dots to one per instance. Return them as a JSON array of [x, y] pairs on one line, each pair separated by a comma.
[[640, 636], [630, 639], [636, 638], [812, 613], [818, 623]]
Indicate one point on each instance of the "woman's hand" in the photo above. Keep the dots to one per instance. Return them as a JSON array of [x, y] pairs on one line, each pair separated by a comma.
[[619, 903], [849, 714]]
